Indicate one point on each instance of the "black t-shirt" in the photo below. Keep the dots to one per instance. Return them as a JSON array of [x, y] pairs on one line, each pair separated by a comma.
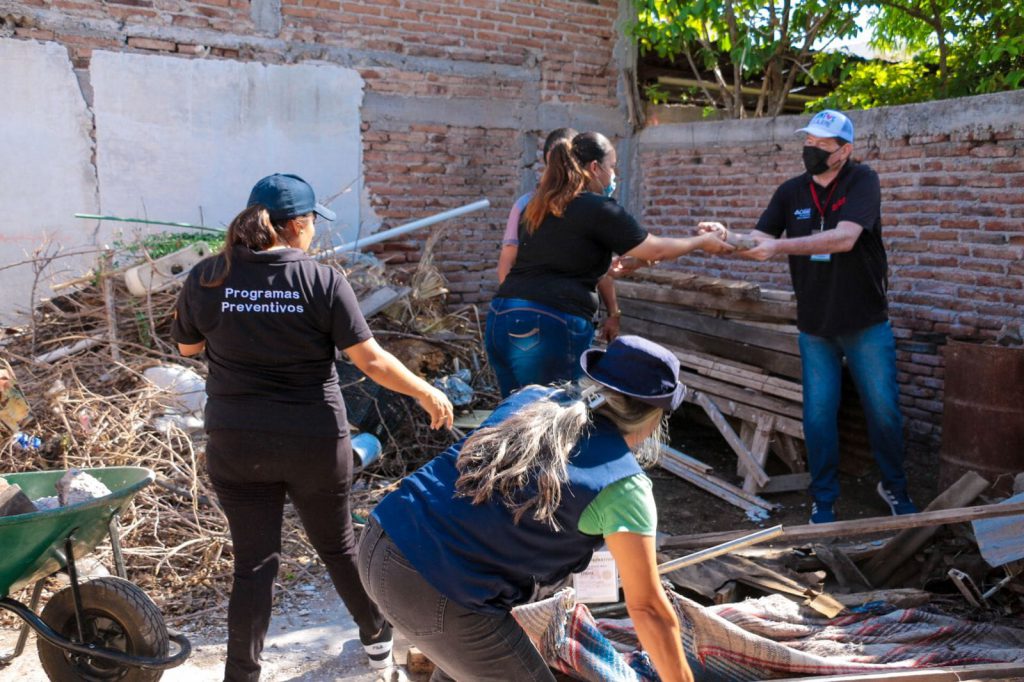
[[560, 263], [846, 293], [271, 332]]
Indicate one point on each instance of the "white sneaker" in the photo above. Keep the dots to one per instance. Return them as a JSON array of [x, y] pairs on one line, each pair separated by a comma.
[[378, 648]]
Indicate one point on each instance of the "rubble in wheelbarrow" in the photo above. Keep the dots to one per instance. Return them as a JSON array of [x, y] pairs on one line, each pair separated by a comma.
[[88, 363]]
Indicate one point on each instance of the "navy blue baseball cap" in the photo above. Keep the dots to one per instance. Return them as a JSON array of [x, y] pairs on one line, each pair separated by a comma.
[[639, 368], [287, 196]]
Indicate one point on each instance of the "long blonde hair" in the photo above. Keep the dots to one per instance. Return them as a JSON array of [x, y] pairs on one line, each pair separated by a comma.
[[535, 443]]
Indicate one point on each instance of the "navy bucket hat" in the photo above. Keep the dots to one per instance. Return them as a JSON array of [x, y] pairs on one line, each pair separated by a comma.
[[287, 196], [638, 368]]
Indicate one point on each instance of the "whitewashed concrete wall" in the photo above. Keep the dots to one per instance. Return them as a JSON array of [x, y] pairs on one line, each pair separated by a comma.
[[46, 170], [167, 139]]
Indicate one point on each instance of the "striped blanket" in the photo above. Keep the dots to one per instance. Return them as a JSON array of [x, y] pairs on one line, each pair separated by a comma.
[[767, 638]]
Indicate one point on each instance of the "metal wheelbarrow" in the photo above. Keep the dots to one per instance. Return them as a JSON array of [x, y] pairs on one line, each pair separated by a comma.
[[96, 629]]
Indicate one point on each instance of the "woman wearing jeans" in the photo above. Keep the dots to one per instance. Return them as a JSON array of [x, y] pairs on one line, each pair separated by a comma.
[[271, 320], [541, 320], [522, 503]]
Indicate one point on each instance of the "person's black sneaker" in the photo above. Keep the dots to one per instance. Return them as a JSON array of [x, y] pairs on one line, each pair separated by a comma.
[[899, 503], [378, 647]]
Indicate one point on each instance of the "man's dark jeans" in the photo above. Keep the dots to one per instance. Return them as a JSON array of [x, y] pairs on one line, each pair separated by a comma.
[[464, 645]]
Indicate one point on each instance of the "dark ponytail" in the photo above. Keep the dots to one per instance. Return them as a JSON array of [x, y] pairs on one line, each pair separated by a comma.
[[251, 228], [565, 176]]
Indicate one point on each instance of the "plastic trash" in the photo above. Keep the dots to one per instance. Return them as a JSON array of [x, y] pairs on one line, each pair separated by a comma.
[[27, 442], [456, 387], [182, 390], [365, 450]]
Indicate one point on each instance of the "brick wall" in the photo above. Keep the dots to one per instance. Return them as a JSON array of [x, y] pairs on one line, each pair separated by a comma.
[[458, 93], [952, 176]]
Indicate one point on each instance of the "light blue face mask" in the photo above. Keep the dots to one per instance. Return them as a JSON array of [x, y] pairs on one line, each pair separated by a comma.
[[610, 187]]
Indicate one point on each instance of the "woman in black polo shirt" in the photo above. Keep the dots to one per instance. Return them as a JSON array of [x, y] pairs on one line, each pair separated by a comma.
[[541, 320], [271, 319]]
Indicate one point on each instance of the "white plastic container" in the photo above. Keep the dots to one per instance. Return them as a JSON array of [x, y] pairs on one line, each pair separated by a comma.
[[153, 276]]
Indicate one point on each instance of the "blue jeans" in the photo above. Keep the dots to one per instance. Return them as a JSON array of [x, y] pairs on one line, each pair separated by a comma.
[[531, 343], [871, 358]]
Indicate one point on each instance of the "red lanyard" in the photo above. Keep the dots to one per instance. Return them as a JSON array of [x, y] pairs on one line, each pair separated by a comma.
[[828, 200]]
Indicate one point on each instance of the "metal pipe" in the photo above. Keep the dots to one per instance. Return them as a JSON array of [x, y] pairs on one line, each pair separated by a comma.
[[89, 216], [718, 550], [408, 227]]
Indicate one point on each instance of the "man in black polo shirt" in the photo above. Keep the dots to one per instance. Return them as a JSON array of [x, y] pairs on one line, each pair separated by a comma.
[[830, 217]]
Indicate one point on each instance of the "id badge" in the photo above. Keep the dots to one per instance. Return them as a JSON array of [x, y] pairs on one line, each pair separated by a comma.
[[599, 583], [821, 258]]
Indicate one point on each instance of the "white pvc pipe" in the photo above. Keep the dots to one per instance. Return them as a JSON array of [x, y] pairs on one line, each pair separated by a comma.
[[408, 227], [718, 550]]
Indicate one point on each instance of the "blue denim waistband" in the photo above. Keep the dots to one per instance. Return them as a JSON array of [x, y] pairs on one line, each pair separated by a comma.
[[499, 304]]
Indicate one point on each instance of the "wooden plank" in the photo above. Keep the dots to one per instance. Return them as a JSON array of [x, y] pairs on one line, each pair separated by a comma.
[[900, 548], [781, 311], [879, 524], [846, 573], [785, 483], [721, 389], [732, 408], [739, 447], [720, 484], [689, 281], [380, 299], [737, 332], [1003, 672], [775, 362], [786, 448], [759, 450], [684, 459], [711, 486], [788, 390]]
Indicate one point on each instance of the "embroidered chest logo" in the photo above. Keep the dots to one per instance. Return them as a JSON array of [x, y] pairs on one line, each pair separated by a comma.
[[802, 214], [838, 204]]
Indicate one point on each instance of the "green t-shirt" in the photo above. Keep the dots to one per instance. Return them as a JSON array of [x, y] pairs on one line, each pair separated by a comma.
[[625, 506]]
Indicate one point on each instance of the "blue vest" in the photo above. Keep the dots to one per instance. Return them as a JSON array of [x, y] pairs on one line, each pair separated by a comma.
[[473, 553]]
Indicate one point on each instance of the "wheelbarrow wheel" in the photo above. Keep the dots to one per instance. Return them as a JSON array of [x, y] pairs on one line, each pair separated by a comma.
[[117, 615]]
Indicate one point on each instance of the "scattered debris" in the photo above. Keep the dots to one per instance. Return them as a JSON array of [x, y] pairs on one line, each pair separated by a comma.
[[76, 487]]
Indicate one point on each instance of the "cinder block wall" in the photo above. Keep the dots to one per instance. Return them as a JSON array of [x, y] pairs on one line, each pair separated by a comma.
[[952, 176], [457, 93]]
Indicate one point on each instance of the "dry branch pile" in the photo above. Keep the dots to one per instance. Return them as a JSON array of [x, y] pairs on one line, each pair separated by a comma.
[[93, 408]]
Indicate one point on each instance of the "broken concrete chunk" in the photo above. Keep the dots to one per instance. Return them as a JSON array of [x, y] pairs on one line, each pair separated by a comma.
[[47, 503], [76, 487], [13, 501]]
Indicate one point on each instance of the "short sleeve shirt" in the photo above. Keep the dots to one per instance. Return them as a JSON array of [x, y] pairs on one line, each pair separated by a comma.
[[626, 506], [511, 236], [847, 292], [560, 263], [272, 332]]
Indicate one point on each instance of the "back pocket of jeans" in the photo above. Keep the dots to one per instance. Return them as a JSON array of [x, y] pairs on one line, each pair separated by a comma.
[[410, 602], [524, 331]]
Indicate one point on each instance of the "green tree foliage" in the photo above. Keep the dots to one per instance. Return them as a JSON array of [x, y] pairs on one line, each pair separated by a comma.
[[952, 48], [734, 45], [958, 48]]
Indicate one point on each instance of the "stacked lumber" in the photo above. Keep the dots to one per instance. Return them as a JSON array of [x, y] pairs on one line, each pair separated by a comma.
[[737, 346]]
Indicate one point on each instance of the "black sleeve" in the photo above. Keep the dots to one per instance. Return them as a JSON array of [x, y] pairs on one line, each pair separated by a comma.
[[615, 229], [183, 328], [348, 326], [773, 220], [863, 200]]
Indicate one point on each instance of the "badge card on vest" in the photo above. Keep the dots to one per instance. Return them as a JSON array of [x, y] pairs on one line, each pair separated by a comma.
[[599, 583]]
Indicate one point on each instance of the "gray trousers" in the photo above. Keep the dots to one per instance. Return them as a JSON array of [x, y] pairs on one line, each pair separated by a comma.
[[464, 645]]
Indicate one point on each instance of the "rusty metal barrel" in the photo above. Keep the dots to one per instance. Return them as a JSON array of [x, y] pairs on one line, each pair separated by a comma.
[[983, 414]]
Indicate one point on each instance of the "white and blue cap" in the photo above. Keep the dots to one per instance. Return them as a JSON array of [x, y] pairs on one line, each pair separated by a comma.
[[830, 123]]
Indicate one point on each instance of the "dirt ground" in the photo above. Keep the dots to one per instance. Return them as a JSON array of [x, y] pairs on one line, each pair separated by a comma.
[[313, 639]]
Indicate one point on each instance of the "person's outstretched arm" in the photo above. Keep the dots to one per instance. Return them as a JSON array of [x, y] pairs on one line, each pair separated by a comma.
[[610, 326], [666, 248], [653, 617], [385, 369]]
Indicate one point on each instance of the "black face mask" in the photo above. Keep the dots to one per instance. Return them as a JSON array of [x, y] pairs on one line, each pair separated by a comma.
[[816, 160]]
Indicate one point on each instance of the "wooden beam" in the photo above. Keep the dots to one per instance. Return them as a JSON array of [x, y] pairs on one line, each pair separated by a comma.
[[732, 408], [736, 332], [879, 524], [762, 309], [900, 548], [759, 452], [782, 388], [786, 483], [684, 459], [775, 362], [739, 447], [721, 389], [717, 487]]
